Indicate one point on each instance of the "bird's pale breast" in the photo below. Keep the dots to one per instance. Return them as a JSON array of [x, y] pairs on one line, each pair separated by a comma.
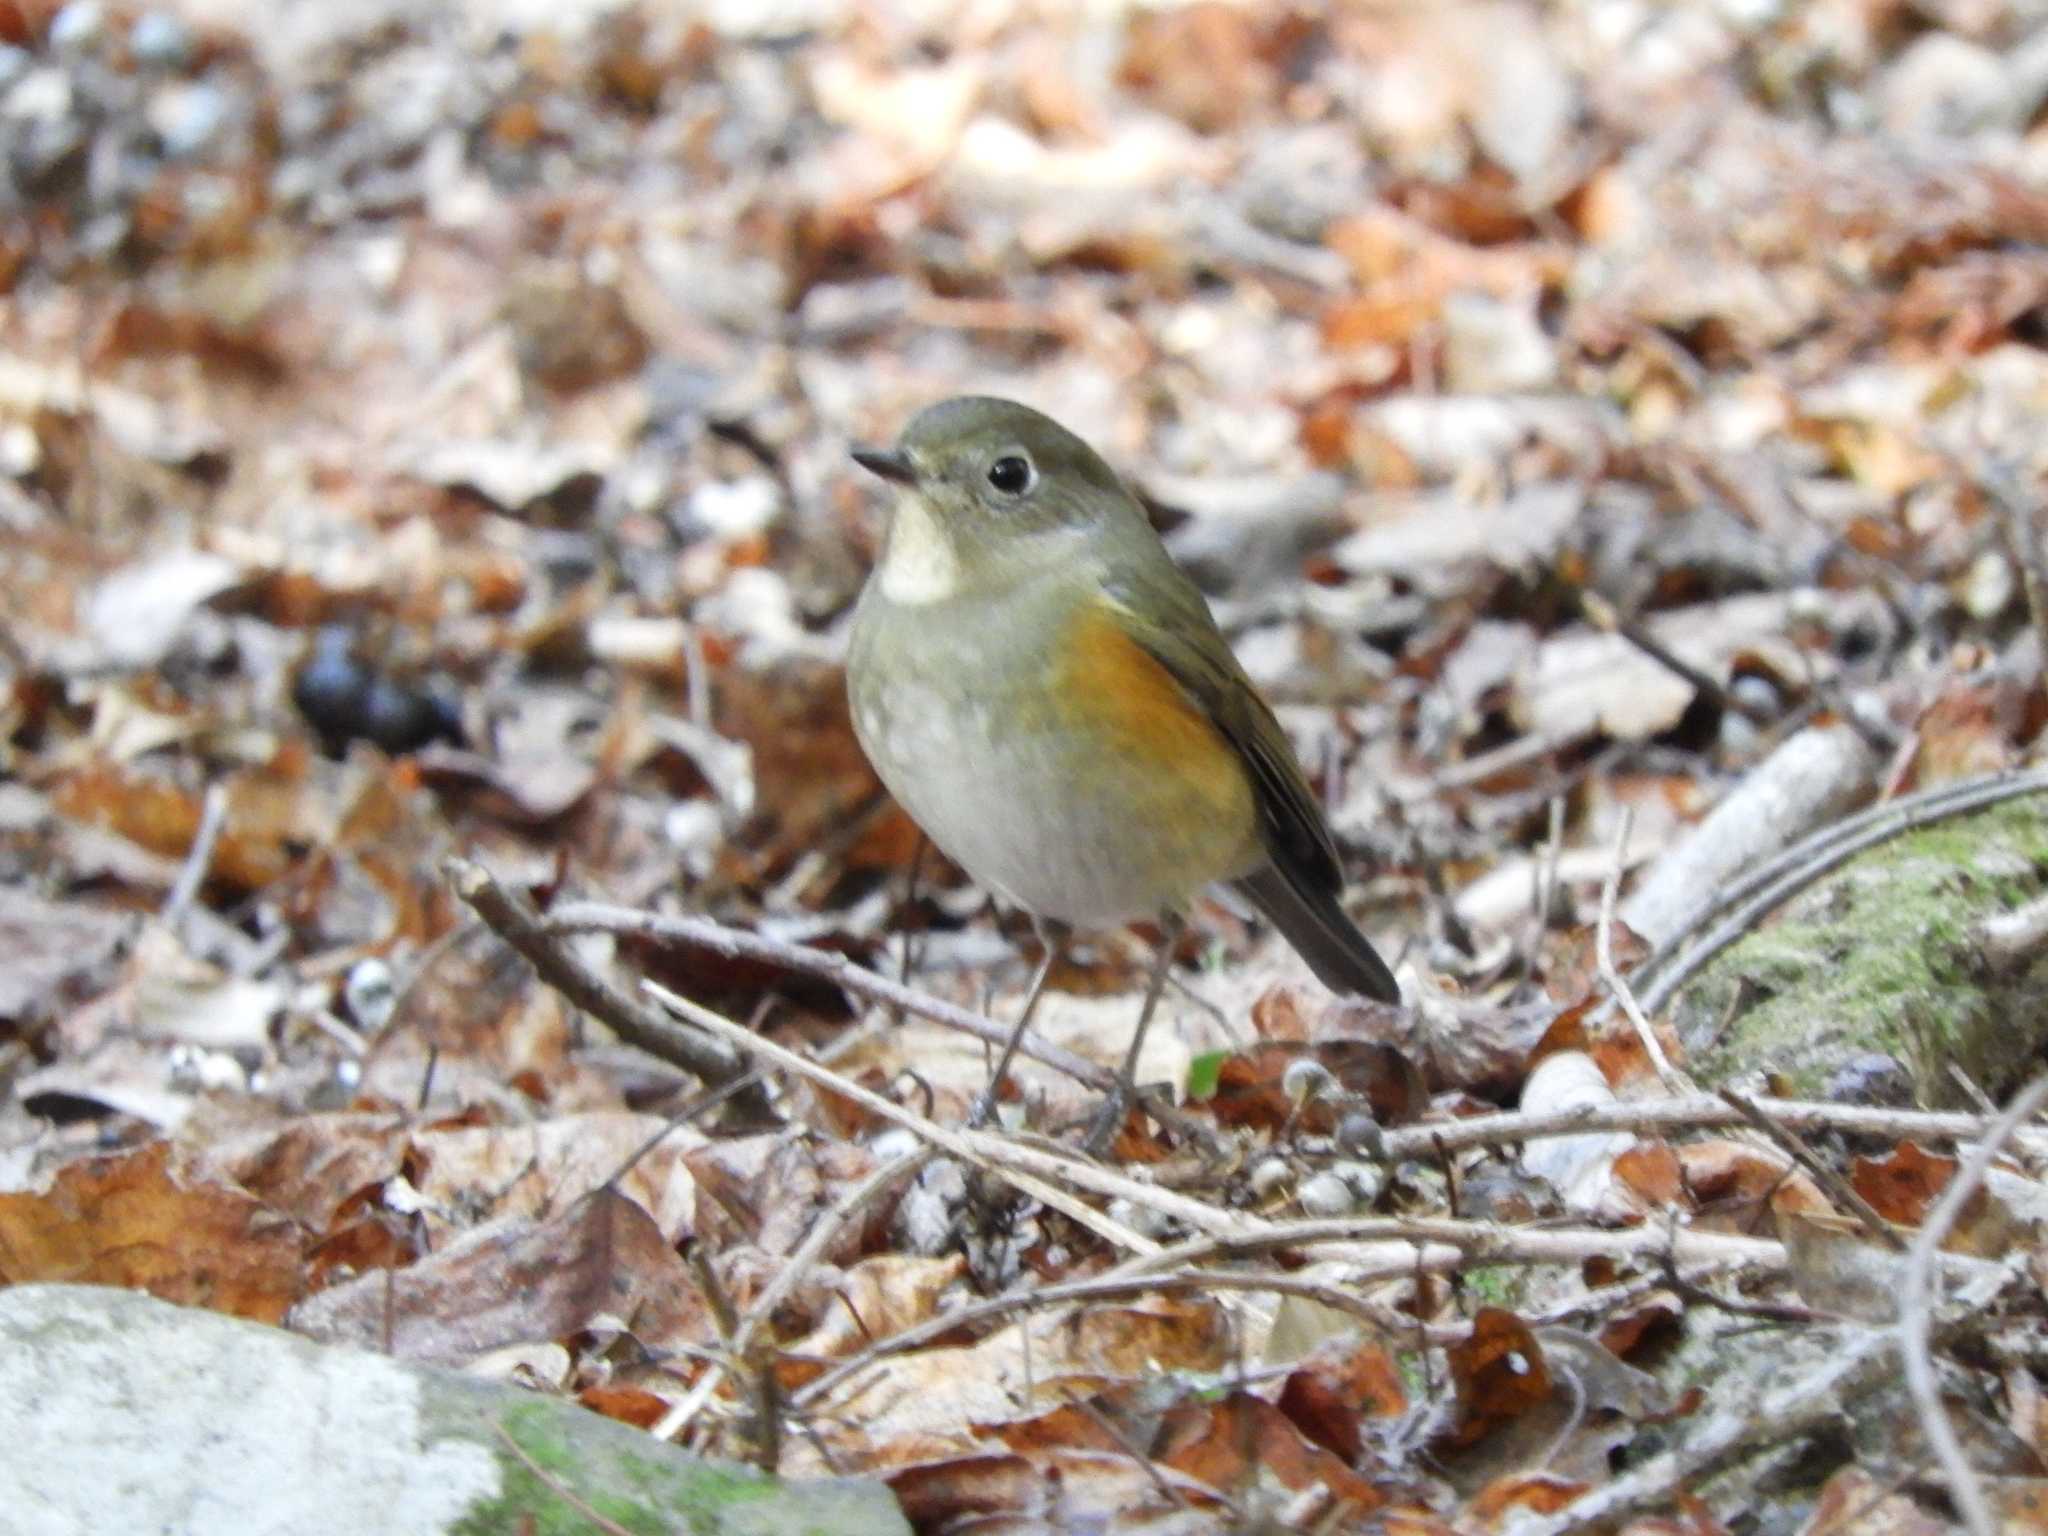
[[1047, 753]]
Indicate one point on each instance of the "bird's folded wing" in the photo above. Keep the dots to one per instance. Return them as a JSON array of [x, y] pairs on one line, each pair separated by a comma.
[[1165, 614]]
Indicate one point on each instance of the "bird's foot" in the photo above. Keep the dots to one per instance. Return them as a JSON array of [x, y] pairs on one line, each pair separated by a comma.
[[981, 1110], [1108, 1118]]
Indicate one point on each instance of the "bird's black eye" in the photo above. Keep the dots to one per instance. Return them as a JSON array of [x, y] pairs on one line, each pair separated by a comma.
[[1012, 474]]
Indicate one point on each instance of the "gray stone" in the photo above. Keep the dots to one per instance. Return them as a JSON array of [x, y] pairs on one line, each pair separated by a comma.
[[119, 1412]]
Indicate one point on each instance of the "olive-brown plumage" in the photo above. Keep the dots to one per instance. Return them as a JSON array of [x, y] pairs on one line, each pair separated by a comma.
[[1045, 692]]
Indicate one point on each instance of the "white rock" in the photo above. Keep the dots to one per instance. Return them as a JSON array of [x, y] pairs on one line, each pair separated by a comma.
[[1942, 86], [1495, 348]]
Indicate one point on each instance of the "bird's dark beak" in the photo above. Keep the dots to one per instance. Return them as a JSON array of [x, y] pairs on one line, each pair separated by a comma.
[[889, 463]]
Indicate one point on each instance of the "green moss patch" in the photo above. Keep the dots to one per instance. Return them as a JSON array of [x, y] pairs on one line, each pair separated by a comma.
[[1878, 960]]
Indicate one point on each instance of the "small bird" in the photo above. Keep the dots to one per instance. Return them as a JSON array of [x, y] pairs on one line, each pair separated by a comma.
[[1047, 695]]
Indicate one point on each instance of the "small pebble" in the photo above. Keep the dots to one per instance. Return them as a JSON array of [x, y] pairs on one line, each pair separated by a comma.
[[20, 451], [370, 993], [1146, 1220], [197, 1070], [892, 1142], [1359, 1132], [42, 97], [1988, 586], [1363, 1179], [1270, 1175], [695, 829], [1758, 696], [186, 118], [79, 27], [735, 509], [1870, 1078], [1327, 1194], [160, 40], [1740, 739]]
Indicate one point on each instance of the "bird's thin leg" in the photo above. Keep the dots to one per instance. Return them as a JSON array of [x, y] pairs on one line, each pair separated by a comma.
[[1052, 938], [1111, 1115]]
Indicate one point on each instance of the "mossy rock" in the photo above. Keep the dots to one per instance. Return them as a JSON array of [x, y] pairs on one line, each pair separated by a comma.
[[124, 1413], [1877, 962]]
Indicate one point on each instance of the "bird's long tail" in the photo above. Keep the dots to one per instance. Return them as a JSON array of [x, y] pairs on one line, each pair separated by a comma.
[[1313, 922]]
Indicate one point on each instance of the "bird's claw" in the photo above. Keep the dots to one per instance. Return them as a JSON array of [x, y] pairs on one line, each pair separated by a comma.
[[1108, 1118]]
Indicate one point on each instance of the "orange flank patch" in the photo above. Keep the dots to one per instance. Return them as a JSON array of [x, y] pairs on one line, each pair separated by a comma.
[[1116, 687]]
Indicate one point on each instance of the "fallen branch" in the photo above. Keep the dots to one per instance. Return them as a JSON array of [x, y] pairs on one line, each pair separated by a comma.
[[514, 920], [738, 944], [1692, 1112]]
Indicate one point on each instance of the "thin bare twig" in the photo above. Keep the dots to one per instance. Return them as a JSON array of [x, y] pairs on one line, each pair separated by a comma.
[[213, 818], [1130, 1448], [1015, 1164], [1478, 768], [757, 1375], [1673, 1080], [703, 933], [1399, 1249], [788, 1277], [1604, 616], [1699, 1111], [558, 1488], [1735, 1306], [1007, 1156], [2023, 531], [1115, 1287], [513, 919], [1916, 1313], [1546, 874]]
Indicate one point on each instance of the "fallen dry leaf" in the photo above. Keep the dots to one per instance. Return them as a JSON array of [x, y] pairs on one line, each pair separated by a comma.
[[483, 1020], [925, 1403], [1738, 1185], [516, 1282], [1242, 1442], [536, 1170], [1855, 1503], [137, 1219], [1901, 1185], [1499, 1375], [1335, 1388], [313, 1164], [875, 1298]]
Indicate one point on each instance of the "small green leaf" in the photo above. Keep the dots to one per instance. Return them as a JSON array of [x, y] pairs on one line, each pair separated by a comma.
[[1205, 1072]]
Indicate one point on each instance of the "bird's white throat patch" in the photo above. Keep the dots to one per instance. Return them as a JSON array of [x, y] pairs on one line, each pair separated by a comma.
[[919, 564]]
